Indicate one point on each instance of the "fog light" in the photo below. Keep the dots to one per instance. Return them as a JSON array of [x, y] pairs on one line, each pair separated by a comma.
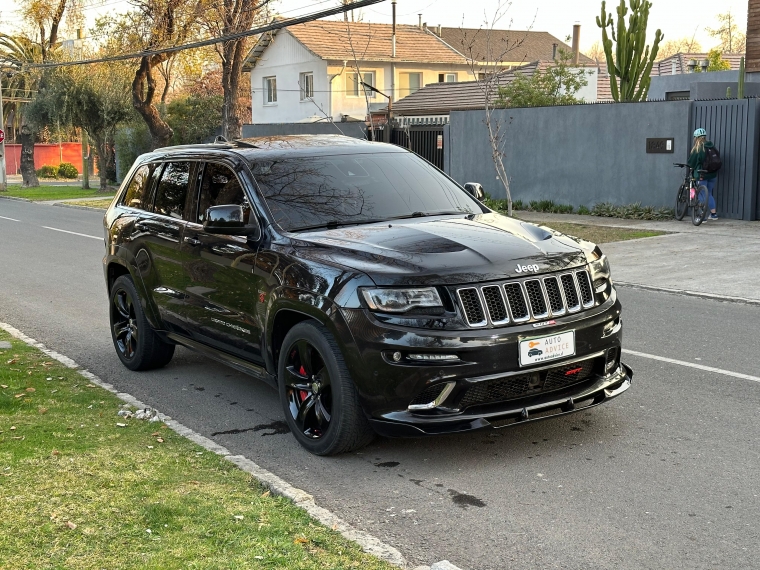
[[434, 357], [613, 355], [396, 357]]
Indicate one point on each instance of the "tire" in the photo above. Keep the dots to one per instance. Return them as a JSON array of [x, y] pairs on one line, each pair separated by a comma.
[[137, 344], [699, 211], [317, 393], [682, 202]]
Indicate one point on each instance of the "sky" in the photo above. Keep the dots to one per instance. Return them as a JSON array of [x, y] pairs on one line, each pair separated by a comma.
[[676, 18]]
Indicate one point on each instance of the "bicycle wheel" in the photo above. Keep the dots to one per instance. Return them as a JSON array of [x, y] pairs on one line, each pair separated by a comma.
[[699, 211], [682, 202]]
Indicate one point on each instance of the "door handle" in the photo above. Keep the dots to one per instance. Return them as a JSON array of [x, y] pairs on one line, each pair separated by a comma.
[[192, 241]]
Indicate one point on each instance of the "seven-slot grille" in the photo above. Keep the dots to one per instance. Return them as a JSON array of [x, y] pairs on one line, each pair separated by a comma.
[[534, 298]]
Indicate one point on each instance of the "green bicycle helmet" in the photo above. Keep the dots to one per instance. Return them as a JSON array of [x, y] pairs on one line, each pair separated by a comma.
[[700, 132]]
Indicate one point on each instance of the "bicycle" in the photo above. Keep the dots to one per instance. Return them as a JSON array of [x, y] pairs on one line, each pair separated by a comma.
[[691, 194]]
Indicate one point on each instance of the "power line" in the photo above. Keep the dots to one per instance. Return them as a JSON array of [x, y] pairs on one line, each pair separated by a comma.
[[211, 41]]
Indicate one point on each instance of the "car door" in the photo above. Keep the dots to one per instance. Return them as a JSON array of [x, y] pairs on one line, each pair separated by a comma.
[[161, 233], [221, 288]]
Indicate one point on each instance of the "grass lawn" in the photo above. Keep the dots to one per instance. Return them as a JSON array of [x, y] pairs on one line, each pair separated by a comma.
[[600, 234], [52, 192], [83, 488]]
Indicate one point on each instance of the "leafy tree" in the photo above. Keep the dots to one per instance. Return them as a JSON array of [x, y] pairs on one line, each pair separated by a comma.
[[717, 63], [732, 40], [194, 119], [95, 99], [631, 65], [556, 85]]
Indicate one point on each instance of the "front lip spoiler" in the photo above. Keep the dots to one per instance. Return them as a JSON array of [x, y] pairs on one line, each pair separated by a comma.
[[598, 393]]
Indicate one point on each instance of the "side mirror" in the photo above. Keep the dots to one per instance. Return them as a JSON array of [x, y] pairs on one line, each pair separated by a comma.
[[475, 190], [230, 220]]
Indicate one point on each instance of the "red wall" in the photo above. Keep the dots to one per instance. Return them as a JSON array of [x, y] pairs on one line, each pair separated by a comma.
[[44, 154]]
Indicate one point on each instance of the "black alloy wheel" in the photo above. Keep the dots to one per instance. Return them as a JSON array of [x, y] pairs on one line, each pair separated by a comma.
[[317, 393], [308, 389], [682, 202], [125, 330], [137, 345]]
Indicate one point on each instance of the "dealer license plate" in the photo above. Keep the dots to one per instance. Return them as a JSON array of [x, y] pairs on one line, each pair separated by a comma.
[[546, 348]]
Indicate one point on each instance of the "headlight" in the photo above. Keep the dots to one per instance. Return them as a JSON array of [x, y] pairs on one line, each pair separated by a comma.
[[600, 273], [402, 300]]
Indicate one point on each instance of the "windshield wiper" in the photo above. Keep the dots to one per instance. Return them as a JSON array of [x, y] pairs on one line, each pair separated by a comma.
[[333, 224], [427, 214]]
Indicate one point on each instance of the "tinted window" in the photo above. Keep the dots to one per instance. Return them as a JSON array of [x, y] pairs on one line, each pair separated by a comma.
[[171, 194], [357, 188], [136, 195], [219, 187]]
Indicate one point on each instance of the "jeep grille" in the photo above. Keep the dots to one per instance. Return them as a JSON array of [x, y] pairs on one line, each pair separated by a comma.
[[526, 300]]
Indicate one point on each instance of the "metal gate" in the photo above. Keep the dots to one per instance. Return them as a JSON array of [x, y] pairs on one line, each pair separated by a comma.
[[734, 126], [425, 141]]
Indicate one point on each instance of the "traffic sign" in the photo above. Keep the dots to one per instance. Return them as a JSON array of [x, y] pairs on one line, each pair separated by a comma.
[[2, 135]]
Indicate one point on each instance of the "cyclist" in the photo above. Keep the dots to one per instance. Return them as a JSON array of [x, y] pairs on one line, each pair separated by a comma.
[[696, 162]]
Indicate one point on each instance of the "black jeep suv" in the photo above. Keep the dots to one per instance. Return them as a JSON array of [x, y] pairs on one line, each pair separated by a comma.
[[375, 293]]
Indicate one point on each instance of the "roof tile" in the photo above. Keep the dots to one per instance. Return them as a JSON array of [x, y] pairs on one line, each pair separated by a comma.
[[372, 42]]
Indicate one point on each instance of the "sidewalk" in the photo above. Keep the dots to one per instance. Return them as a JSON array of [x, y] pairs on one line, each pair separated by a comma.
[[719, 258]]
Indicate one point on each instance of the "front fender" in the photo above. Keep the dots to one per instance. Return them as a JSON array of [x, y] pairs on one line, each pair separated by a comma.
[[302, 305], [120, 257]]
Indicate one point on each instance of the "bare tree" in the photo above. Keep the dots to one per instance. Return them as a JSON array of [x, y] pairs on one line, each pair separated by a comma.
[[169, 22], [222, 19], [486, 53]]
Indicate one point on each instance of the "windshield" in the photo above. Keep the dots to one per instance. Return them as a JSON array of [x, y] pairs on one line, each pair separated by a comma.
[[307, 193]]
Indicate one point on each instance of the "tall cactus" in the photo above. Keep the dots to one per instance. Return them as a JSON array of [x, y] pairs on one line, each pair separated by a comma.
[[740, 86], [630, 68]]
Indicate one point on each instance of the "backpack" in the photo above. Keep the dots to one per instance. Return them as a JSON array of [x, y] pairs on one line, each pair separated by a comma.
[[712, 161]]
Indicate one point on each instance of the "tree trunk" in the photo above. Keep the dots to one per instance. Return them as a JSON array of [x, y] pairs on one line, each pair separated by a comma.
[[28, 175], [143, 93], [102, 146], [232, 124]]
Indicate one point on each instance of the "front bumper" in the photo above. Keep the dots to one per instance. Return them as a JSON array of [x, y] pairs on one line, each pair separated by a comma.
[[487, 387], [599, 391]]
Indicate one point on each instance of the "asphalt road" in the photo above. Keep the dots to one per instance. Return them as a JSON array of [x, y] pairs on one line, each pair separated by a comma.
[[663, 477]]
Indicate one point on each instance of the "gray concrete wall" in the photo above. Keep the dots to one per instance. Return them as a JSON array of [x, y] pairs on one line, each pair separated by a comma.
[[355, 130], [696, 83], [578, 154]]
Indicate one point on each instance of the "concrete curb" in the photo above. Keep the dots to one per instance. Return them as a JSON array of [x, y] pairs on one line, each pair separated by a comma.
[[15, 198], [275, 484], [66, 205], [688, 293]]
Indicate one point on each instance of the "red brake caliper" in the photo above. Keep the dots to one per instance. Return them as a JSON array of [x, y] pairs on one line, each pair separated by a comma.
[[304, 393]]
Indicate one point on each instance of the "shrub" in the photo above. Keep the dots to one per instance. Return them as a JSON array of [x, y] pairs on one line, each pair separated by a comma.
[[550, 207], [631, 212], [47, 171], [583, 211], [67, 170]]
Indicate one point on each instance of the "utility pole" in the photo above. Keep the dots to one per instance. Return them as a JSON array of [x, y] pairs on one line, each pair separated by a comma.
[[85, 161], [3, 181], [388, 126]]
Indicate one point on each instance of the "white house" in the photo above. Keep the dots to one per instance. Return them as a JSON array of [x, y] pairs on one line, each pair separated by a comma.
[[314, 71]]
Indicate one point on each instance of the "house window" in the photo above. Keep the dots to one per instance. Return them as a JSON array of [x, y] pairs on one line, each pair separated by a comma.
[[447, 78], [270, 90], [353, 84], [409, 83], [306, 81]]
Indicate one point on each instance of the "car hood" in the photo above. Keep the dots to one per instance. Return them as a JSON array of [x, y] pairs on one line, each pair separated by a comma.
[[444, 250]]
